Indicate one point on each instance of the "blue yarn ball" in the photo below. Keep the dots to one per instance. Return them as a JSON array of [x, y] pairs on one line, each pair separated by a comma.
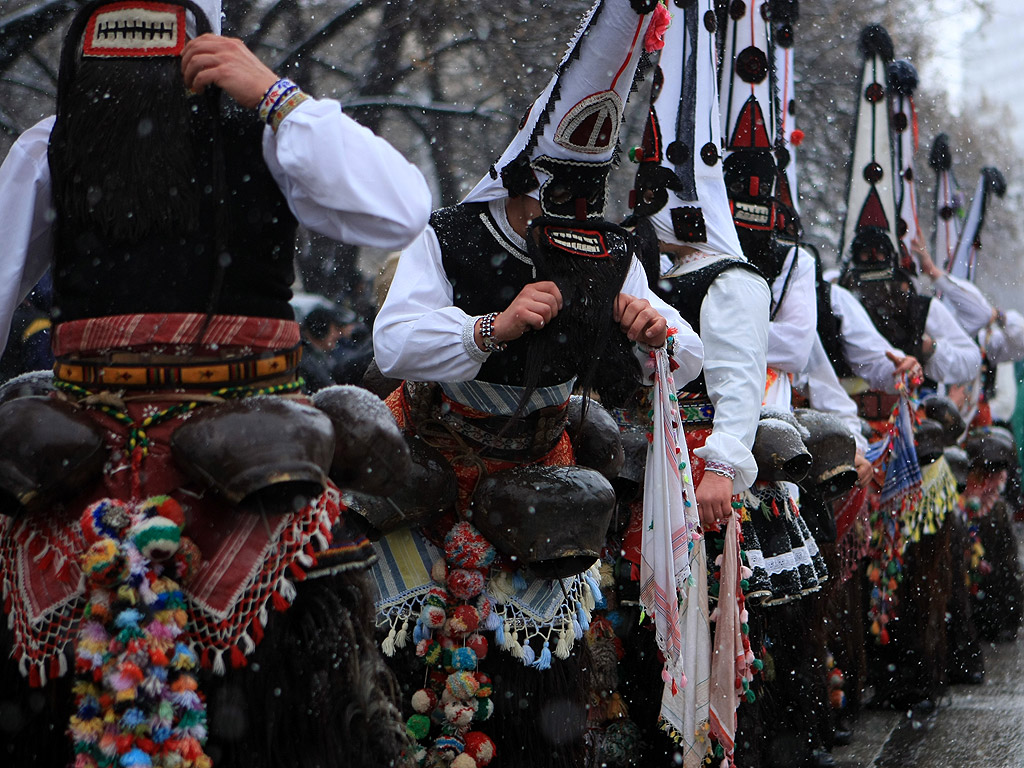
[[464, 658]]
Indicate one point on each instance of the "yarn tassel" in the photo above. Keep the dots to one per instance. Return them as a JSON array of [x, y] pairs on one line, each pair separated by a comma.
[[544, 662], [529, 655], [563, 646], [248, 644], [595, 592], [493, 621], [402, 638], [584, 620], [577, 630], [419, 633], [517, 650], [388, 646], [219, 667]]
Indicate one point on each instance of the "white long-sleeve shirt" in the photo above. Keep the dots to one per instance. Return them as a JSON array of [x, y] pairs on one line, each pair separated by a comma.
[[339, 178], [967, 304], [794, 327], [734, 329], [974, 313], [1005, 344], [957, 359], [792, 331], [420, 335]]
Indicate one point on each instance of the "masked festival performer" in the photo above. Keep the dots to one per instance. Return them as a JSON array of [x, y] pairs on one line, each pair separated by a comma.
[[506, 303], [759, 180], [168, 489], [874, 272], [957, 244], [994, 609], [755, 162], [680, 195], [872, 264]]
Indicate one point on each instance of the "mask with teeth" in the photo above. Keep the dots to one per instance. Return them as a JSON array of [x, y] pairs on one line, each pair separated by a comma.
[[750, 180]]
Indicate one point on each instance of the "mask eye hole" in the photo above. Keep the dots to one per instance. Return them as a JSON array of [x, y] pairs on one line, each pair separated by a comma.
[[560, 195]]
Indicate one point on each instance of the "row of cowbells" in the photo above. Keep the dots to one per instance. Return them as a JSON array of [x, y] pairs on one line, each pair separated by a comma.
[[264, 452]]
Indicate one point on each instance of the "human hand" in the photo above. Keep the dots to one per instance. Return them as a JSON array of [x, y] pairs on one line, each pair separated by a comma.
[[534, 307], [227, 63], [714, 499], [639, 320], [865, 469], [906, 365]]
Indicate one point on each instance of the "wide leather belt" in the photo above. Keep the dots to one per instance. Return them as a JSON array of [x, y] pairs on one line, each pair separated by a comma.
[[235, 371]]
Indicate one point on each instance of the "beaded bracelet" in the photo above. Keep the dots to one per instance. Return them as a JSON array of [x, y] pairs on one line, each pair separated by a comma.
[[285, 108], [487, 333], [720, 468], [275, 94]]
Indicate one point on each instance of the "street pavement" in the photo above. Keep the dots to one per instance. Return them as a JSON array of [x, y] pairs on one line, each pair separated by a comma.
[[974, 726], [980, 726]]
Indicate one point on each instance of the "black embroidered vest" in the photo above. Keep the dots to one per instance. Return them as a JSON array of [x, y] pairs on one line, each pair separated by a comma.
[[830, 331], [903, 327], [687, 294], [487, 271]]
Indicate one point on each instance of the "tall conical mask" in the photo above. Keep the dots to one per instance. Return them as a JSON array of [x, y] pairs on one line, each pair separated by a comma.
[[566, 143], [902, 84], [749, 115], [783, 15], [965, 256], [679, 183], [948, 203], [868, 248]]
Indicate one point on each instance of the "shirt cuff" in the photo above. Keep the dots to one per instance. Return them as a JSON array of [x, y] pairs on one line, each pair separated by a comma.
[[726, 449], [476, 354]]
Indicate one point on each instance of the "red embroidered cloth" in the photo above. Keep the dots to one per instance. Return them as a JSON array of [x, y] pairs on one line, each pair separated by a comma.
[[467, 473], [173, 334], [249, 561]]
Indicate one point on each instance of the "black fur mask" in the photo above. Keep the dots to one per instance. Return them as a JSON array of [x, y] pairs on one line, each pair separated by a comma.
[[584, 337], [124, 151]]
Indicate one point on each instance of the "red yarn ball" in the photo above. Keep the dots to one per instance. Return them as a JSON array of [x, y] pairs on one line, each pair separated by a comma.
[[480, 747], [465, 584], [466, 547], [432, 616], [464, 621], [483, 605], [424, 701], [478, 643], [164, 506]]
